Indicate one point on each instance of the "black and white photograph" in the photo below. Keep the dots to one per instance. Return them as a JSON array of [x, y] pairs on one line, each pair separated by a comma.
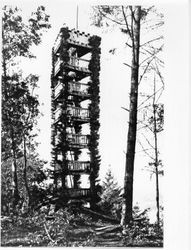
[[84, 146]]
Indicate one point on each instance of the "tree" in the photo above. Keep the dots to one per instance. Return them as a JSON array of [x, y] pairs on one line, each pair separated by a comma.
[[132, 130], [154, 124], [111, 199], [17, 38], [130, 19], [35, 177]]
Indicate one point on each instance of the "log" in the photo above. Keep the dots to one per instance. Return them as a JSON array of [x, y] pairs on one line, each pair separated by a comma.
[[101, 216]]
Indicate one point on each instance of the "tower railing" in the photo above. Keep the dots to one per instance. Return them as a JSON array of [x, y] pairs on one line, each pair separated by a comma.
[[76, 139], [77, 112], [59, 87], [77, 193], [73, 112], [78, 88], [78, 165], [57, 66], [57, 114], [79, 62]]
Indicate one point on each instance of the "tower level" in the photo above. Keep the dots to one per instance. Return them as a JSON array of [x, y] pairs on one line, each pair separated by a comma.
[[75, 115]]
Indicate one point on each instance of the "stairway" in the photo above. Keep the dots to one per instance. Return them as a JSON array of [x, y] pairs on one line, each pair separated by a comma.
[[108, 236]]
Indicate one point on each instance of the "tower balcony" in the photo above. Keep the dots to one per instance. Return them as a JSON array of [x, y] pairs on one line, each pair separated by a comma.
[[73, 167], [77, 193], [77, 141], [75, 113], [78, 166], [79, 64], [74, 88], [78, 89], [78, 114]]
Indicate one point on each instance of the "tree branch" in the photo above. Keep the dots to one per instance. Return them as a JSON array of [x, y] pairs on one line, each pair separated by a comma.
[[47, 233], [127, 65], [158, 72], [130, 46], [125, 109], [148, 141], [145, 151], [145, 70], [105, 15], [127, 26], [149, 97], [155, 39]]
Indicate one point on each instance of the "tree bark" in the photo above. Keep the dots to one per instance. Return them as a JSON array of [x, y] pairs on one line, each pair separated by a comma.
[[25, 170], [132, 130], [15, 179]]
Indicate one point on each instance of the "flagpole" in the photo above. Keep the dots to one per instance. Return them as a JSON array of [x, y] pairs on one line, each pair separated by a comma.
[[77, 18]]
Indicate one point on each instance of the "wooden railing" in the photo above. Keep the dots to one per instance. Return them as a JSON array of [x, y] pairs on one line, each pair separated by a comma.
[[79, 62], [76, 112], [57, 66], [77, 193], [57, 114], [78, 165], [58, 89], [78, 88], [77, 140]]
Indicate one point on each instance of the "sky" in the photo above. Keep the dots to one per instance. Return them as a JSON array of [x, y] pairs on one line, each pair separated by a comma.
[[114, 95]]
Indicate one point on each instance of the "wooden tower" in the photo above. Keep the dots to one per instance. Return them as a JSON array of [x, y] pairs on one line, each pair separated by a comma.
[[75, 115]]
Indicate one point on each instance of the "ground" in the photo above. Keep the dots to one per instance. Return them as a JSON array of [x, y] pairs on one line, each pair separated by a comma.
[[70, 230]]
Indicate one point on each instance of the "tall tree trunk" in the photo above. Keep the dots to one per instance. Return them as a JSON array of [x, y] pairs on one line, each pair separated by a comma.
[[25, 170], [14, 170], [13, 146], [156, 156], [132, 130]]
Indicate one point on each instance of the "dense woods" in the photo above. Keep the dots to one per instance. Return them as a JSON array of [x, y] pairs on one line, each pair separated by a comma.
[[29, 212]]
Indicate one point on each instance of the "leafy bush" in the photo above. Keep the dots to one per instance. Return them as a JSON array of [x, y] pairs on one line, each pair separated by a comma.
[[111, 199], [141, 232]]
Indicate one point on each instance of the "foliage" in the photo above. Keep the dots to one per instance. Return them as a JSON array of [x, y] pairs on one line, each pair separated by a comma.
[[36, 177], [19, 103], [111, 199], [71, 228], [37, 230], [141, 233], [94, 90], [19, 109], [159, 107], [18, 36], [140, 27]]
